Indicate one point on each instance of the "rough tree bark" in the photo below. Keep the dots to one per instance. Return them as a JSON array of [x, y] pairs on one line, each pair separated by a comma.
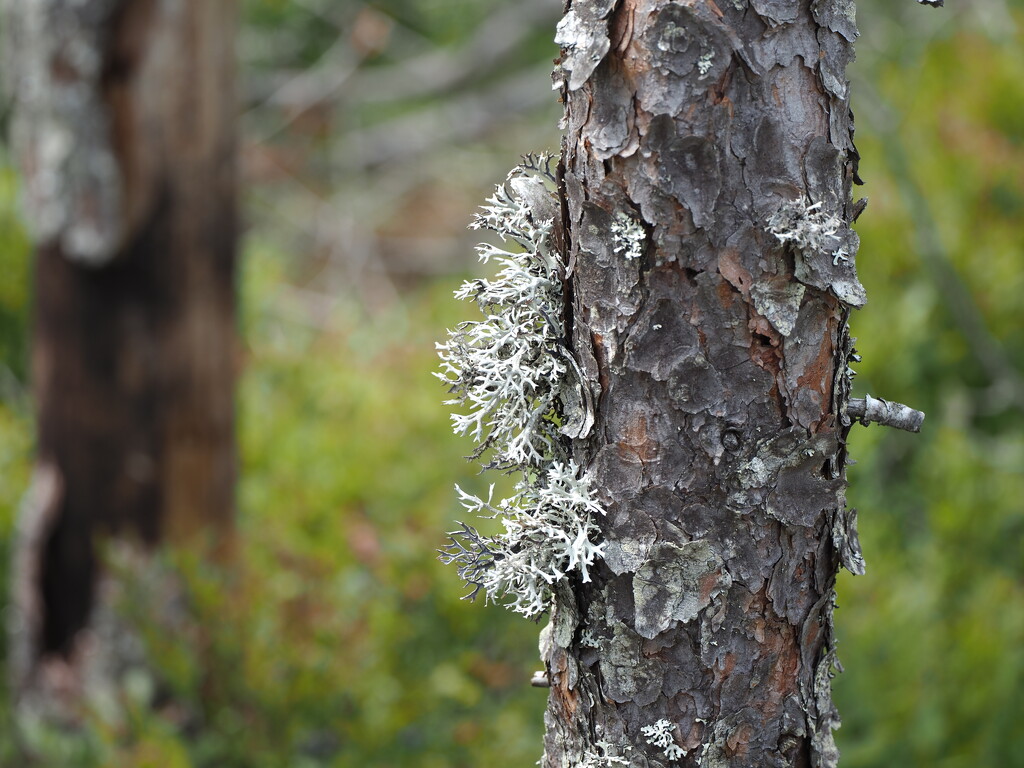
[[125, 126], [707, 180]]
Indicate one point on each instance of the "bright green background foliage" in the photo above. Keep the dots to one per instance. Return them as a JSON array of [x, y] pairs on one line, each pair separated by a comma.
[[340, 640]]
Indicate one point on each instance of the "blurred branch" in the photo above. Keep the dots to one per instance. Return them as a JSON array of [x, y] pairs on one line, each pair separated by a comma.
[[339, 72], [442, 71], [450, 121], [440, 99], [313, 86]]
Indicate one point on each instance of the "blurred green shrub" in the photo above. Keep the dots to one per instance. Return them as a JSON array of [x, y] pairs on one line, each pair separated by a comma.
[[14, 285], [15, 427]]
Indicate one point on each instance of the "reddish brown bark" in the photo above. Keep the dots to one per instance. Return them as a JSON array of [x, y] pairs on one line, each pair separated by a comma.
[[717, 354]]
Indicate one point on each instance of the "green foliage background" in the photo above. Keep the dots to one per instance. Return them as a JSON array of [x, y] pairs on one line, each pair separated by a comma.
[[340, 640]]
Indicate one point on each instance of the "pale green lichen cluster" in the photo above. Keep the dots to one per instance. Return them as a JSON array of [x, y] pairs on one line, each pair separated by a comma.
[[522, 391]]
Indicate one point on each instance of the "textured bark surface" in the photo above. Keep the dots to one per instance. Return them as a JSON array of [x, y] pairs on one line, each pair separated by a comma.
[[125, 126], [706, 145]]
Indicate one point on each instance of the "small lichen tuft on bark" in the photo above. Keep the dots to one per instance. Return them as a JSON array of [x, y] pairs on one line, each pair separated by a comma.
[[660, 735]]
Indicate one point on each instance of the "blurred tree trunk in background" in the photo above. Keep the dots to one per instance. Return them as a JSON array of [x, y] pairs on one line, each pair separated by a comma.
[[708, 170], [125, 127]]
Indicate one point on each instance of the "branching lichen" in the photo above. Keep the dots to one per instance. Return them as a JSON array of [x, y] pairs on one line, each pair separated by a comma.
[[628, 235], [809, 229], [704, 63], [514, 373], [602, 756], [589, 640], [549, 533], [660, 735]]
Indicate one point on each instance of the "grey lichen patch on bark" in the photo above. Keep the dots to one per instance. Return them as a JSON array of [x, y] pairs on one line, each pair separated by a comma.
[[629, 675], [686, 41], [577, 401], [583, 35], [675, 584], [823, 715], [846, 540], [728, 736], [838, 15], [61, 132], [844, 520], [565, 617], [770, 457], [630, 538], [835, 271], [801, 491], [779, 301], [823, 244]]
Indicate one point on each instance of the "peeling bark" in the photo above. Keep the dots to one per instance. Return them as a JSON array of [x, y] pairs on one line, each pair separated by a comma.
[[125, 127], [718, 360]]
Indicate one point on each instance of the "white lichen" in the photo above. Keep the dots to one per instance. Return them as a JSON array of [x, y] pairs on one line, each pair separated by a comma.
[[589, 640], [660, 735], [602, 756], [628, 236], [505, 366], [704, 63], [549, 533], [809, 229], [520, 383]]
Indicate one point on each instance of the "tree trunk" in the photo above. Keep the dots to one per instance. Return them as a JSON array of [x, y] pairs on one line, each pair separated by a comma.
[[125, 126], [707, 177]]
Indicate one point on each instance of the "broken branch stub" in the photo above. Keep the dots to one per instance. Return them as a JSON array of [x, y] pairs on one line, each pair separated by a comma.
[[878, 411]]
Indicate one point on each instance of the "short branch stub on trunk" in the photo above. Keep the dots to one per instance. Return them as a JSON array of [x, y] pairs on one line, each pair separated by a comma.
[[874, 409]]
